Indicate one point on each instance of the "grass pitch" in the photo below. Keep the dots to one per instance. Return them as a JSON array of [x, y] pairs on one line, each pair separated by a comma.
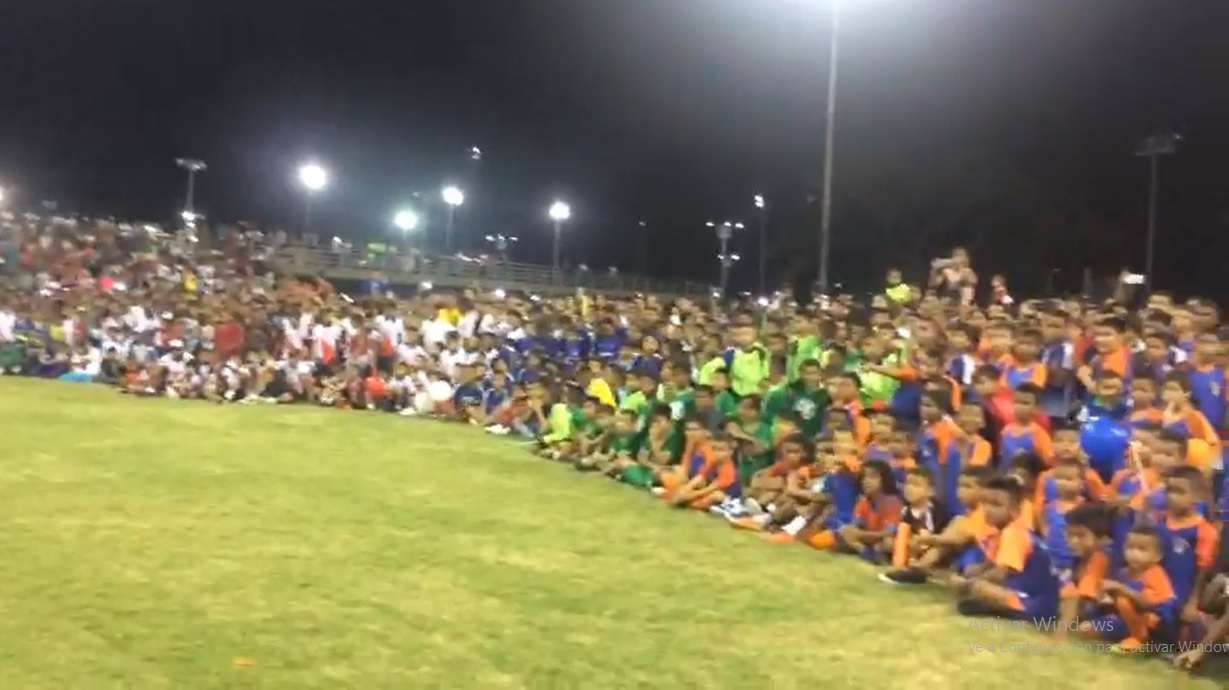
[[161, 544]]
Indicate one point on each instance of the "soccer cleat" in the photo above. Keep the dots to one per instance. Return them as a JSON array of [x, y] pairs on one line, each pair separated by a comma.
[[903, 576]]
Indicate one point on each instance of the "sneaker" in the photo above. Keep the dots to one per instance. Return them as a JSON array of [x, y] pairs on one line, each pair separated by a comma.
[[794, 526], [904, 576], [734, 508], [658, 491], [408, 412], [752, 506]]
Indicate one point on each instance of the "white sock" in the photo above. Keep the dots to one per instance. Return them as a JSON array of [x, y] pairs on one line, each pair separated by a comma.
[[795, 526]]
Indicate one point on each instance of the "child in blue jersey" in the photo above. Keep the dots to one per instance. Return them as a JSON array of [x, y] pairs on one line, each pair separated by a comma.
[[1087, 535], [935, 550], [1188, 539], [1058, 357], [1068, 479], [883, 426], [1208, 379], [1024, 435], [1139, 599], [1016, 580]]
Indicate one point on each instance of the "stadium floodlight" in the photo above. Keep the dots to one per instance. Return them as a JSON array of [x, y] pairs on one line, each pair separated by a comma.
[[500, 294], [559, 212], [454, 197], [406, 220], [425, 285], [725, 230], [1153, 148], [313, 176], [762, 204], [192, 166]]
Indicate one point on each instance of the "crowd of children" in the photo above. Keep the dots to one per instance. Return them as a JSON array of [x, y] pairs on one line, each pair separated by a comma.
[[1057, 461]]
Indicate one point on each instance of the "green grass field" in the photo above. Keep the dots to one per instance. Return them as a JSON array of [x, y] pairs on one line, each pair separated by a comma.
[[160, 544]]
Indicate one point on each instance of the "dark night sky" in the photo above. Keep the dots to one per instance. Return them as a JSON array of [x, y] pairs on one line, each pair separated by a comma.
[[670, 110]]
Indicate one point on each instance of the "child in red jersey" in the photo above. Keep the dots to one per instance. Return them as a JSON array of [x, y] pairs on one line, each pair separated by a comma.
[[1088, 532]]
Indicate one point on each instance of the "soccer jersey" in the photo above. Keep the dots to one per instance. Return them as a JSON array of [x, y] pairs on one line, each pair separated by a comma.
[[1208, 393], [1189, 546], [1029, 570], [809, 405], [1017, 439], [1054, 530], [1018, 375]]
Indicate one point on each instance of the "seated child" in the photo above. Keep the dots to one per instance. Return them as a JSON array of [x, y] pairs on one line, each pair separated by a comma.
[[875, 517], [1140, 598], [962, 533], [1024, 434], [921, 517], [1068, 495], [1067, 446], [715, 482], [1215, 602], [1088, 531], [659, 451], [1015, 580], [768, 486], [1188, 540], [620, 447]]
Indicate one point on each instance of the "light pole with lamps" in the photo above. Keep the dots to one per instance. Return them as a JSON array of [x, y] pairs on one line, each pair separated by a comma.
[[825, 222], [453, 197], [1153, 148], [193, 166], [559, 212], [314, 179], [762, 204], [725, 230]]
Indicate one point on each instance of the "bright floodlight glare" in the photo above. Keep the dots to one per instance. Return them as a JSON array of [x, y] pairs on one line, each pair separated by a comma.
[[188, 216], [406, 220], [738, 225], [560, 211], [759, 201], [763, 301], [453, 196], [425, 285], [500, 294], [2, 192], [313, 176], [735, 257]]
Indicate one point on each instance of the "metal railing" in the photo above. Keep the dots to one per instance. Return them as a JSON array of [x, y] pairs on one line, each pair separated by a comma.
[[414, 268]]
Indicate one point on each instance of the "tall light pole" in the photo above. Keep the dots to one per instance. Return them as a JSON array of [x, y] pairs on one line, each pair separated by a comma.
[[762, 205], [193, 166], [641, 250], [453, 197], [725, 230], [825, 223], [1153, 148], [559, 212], [314, 179], [406, 221]]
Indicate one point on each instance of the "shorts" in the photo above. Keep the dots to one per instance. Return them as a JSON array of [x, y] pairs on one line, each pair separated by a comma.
[[384, 364], [638, 476], [1031, 608]]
